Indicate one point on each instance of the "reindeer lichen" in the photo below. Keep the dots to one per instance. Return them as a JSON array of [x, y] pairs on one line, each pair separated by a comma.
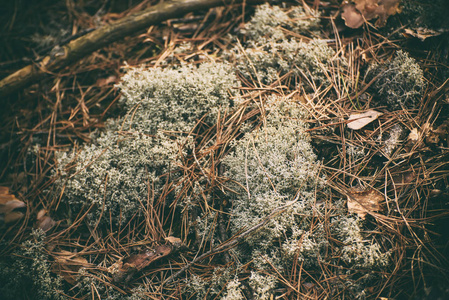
[[132, 158], [398, 83], [268, 22], [30, 275]]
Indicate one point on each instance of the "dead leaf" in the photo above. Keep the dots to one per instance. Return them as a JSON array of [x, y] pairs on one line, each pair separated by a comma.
[[106, 81], [363, 202], [44, 221], [174, 241], [353, 18], [4, 190], [421, 33], [358, 121], [414, 135], [11, 208], [356, 12], [135, 263], [67, 265]]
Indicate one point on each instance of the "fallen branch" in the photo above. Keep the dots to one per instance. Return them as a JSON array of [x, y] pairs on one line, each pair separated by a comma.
[[97, 39]]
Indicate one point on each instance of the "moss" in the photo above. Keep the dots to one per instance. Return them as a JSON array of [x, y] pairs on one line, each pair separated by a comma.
[[270, 166], [358, 252]]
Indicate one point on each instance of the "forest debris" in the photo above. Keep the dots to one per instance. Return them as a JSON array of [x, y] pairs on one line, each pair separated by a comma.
[[402, 181], [106, 81], [353, 18], [355, 13], [358, 121], [67, 265], [44, 221], [124, 271], [421, 33], [413, 135], [363, 202], [436, 136], [176, 242], [11, 208]]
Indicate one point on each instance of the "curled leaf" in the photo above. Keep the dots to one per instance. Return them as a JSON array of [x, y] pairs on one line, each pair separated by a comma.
[[174, 241], [353, 18], [414, 135], [124, 271]]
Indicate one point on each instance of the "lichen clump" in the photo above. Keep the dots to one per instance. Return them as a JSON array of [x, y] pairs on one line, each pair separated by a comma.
[[269, 21], [270, 167], [269, 53], [271, 164], [30, 275], [398, 83], [113, 175]]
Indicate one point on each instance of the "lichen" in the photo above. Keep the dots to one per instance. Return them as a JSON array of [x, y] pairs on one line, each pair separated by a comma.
[[30, 275], [264, 64], [268, 21], [398, 83], [358, 251], [112, 176]]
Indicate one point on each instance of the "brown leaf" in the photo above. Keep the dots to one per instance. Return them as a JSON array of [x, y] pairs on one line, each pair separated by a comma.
[[358, 121], [353, 18], [135, 263], [10, 206], [4, 190], [106, 81], [363, 202], [44, 221], [174, 241], [421, 33], [355, 13], [13, 217]]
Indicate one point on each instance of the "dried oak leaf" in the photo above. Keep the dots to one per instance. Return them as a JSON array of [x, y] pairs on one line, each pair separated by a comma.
[[358, 121], [355, 13], [363, 202], [10, 207]]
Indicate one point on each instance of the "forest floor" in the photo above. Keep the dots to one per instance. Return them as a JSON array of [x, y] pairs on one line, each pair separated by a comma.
[[385, 162]]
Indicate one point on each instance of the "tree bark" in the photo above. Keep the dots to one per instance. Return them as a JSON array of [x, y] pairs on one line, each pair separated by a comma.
[[78, 48]]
